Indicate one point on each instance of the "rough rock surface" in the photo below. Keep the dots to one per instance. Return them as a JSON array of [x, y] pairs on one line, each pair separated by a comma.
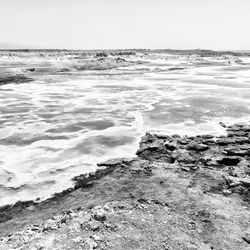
[[179, 193]]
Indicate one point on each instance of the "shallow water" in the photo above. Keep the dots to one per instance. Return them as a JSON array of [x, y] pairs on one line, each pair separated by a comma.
[[59, 126]]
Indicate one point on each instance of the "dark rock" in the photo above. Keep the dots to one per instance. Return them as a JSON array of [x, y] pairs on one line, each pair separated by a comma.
[[31, 69], [235, 127], [207, 136], [245, 182], [224, 141], [101, 54], [152, 148], [210, 161], [223, 124], [238, 133], [175, 136], [209, 141], [206, 160], [246, 128], [229, 161], [246, 237], [62, 70], [170, 145], [143, 200], [238, 150], [239, 185], [157, 202], [175, 68], [5, 217], [231, 181], [184, 141]]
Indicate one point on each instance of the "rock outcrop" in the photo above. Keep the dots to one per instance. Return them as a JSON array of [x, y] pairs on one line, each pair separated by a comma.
[[178, 193]]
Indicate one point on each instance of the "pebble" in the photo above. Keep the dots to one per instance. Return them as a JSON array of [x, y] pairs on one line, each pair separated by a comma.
[[100, 215], [96, 237], [93, 225], [77, 239], [226, 192], [50, 224], [91, 243]]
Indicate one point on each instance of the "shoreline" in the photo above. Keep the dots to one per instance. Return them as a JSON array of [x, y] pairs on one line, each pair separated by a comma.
[[57, 138], [205, 180]]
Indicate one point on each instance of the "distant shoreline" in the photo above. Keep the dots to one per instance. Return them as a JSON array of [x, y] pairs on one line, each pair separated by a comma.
[[170, 51]]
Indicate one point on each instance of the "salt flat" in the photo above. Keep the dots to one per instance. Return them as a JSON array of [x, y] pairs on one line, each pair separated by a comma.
[[61, 112]]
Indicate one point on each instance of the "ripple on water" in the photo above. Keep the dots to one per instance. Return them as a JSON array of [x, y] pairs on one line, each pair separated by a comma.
[[96, 144], [86, 110], [196, 109], [20, 140], [97, 125], [78, 126]]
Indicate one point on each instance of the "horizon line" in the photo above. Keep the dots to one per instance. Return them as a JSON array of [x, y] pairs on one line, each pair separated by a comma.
[[149, 49]]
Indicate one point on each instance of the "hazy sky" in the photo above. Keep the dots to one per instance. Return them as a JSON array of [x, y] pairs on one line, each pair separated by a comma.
[[104, 24]]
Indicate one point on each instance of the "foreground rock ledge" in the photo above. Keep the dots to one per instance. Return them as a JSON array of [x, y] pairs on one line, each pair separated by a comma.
[[178, 193]]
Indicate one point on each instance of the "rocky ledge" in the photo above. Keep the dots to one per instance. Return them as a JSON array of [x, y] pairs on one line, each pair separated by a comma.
[[14, 78], [178, 193]]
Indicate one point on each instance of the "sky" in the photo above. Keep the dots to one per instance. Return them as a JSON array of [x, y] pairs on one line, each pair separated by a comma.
[[125, 24]]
